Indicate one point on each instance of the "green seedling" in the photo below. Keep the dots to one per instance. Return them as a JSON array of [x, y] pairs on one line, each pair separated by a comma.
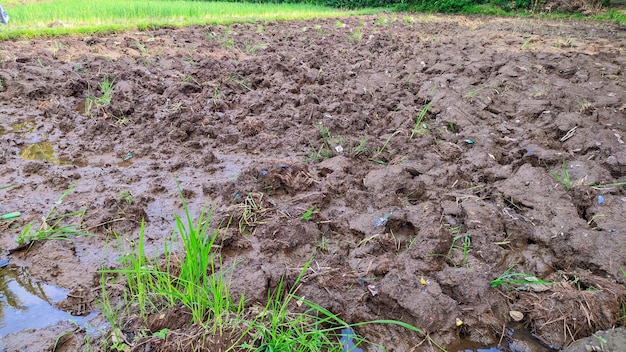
[[527, 44], [471, 95], [309, 213], [461, 242], [601, 340], [140, 46], [518, 281], [605, 186], [594, 218], [357, 34], [563, 178], [360, 148], [330, 145], [277, 328], [408, 20], [380, 150], [195, 280], [240, 81], [421, 127], [104, 100], [127, 197], [161, 333], [53, 226]]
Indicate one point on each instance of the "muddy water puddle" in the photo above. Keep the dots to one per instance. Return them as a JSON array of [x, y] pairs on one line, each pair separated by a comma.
[[516, 339], [26, 303]]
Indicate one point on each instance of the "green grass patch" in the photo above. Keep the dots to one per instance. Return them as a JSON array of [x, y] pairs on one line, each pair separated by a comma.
[[62, 17], [197, 279]]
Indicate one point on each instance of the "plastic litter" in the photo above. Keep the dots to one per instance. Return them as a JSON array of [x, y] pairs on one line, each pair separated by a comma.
[[382, 221], [264, 172], [4, 263], [600, 199], [4, 17], [347, 340], [12, 215], [469, 141]]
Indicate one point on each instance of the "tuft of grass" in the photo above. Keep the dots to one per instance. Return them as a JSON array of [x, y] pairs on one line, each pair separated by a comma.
[[421, 127], [357, 34], [278, 328], [461, 242], [517, 280], [327, 149], [53, 225], [197, 280], [377, 157], [563, 178], [127, 197], [96, 103], [252, 212]]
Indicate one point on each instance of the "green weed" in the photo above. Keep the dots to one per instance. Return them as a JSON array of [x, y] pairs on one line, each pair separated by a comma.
[[380, 150], [359, 149], [328, 147], [563, 178], [127, 197], [420, 126], [96, 103], [356, 33], [141, 47], [519, 281], [53, 226], [461, 242], [606, 186], [309, 213], [195, 281]]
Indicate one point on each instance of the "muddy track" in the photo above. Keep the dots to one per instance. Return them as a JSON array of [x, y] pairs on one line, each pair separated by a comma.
[[521, 117]]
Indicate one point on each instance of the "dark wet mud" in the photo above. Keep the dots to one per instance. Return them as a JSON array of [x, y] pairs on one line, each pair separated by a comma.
[[307, 134]]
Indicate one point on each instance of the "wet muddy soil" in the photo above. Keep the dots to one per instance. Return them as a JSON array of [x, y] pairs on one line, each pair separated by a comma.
[[306, 133]]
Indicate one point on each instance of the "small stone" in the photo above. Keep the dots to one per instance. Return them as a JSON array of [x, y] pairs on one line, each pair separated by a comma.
[[516, 315]]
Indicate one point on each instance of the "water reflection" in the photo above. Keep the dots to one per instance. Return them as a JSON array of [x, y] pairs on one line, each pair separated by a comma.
[[26, 303]]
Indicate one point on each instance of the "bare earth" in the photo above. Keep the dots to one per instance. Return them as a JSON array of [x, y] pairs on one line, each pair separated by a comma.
[[235, 114]]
